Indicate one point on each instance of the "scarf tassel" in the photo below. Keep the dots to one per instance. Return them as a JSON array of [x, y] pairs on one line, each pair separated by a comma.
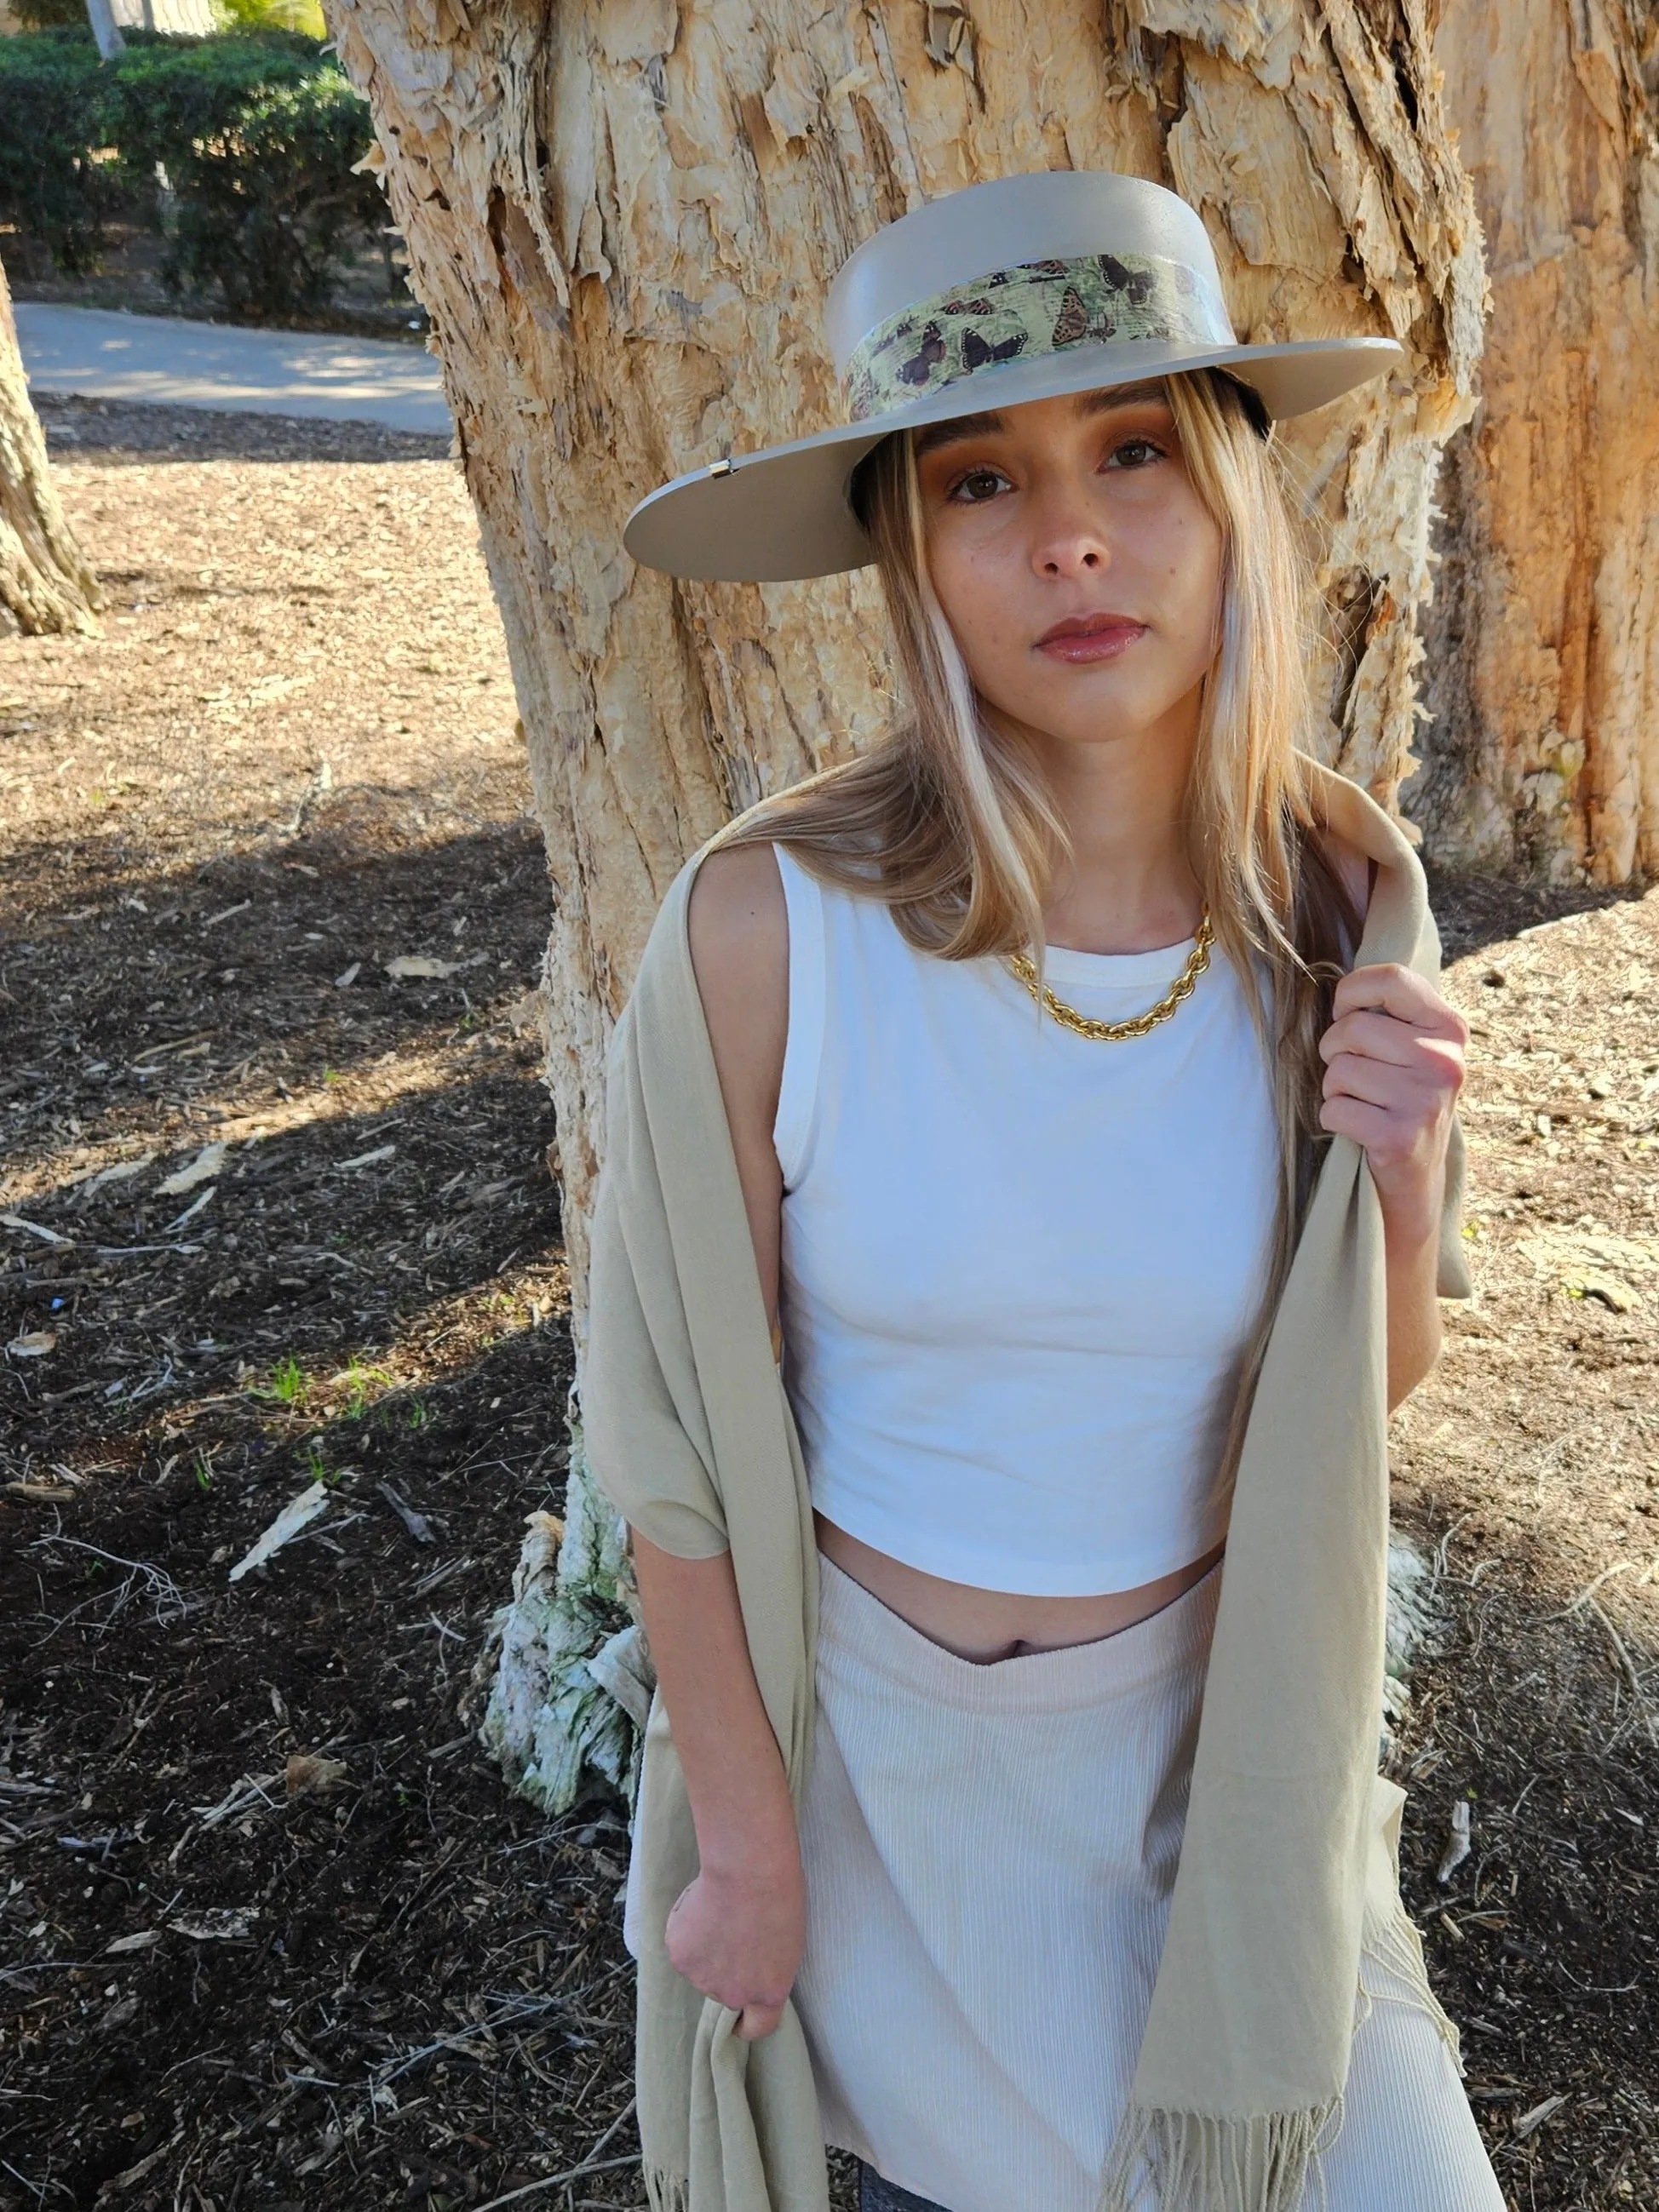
[[1196, 2162], [1395, 1944], [668, 2192]]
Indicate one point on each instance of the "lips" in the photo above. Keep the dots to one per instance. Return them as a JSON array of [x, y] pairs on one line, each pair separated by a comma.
[[1089, 626], [1091, 637]]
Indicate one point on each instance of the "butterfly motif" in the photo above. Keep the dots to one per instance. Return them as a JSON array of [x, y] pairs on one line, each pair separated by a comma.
[[1137, 283], [980, 353], [969, 307], [1072, 323], [920, 366]]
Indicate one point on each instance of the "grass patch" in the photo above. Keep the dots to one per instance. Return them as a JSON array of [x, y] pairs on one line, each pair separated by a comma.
[[287, 1385]]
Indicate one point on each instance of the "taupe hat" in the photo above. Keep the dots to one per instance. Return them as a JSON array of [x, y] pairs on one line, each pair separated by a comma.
[[1028, 287]]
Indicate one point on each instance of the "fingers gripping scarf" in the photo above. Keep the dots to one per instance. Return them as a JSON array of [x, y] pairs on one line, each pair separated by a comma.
[[1241, 2067]]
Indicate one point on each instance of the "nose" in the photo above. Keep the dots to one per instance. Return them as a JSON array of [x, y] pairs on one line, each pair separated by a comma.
[[1067, 540]]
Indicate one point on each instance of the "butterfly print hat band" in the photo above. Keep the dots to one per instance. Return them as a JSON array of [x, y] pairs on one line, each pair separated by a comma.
[[1029, 288]]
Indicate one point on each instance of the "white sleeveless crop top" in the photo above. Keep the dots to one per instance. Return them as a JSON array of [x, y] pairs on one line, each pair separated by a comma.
[[1019, 1267]]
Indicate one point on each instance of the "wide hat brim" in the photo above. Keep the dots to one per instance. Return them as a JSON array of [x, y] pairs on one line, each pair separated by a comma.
[[781, 514]]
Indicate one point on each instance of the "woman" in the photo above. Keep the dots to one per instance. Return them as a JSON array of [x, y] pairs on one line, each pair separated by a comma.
[[1064, 1091]]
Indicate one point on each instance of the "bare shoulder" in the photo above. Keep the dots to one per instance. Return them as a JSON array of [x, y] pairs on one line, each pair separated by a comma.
[[737, 921], [738, 926], [1353, 870]]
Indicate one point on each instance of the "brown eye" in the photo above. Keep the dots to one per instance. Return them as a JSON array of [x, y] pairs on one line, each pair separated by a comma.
[[978, 485], [1136, 453]]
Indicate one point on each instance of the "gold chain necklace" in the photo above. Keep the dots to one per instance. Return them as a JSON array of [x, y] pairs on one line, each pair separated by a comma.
[[1118, 1032]]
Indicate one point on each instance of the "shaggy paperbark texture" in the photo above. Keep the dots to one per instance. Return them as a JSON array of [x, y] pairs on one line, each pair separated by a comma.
[[45, 582], [1543, 750], [622, 217]]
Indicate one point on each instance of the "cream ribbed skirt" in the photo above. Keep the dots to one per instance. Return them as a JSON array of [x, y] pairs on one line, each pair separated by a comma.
[[990, 1852]]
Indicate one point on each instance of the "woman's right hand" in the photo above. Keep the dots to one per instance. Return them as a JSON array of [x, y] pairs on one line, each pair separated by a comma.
[[737, 1933]]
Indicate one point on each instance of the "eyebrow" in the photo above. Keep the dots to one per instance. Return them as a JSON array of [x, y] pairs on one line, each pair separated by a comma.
[[1103, 402]]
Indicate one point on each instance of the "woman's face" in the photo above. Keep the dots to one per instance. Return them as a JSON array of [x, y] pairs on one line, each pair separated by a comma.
[[1076, 564]]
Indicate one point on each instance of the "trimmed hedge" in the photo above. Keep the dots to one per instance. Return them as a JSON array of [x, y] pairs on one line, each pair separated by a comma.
[[39, 14], [51, 188], [257, 139], [256, 136]]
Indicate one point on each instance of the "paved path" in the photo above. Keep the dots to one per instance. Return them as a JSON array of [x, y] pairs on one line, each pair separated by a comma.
[[172, 362]]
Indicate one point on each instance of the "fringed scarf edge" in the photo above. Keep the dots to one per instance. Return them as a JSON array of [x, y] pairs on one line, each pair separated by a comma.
[[1196, 2162], [1394, 1944], [668, 2192]]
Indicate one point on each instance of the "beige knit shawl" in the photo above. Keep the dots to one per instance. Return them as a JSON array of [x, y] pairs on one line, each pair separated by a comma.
[[1242, 2065]]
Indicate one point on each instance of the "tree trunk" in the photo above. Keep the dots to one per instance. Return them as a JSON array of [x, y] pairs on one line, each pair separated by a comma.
[[1543, 748], [101, 14], [45, 583], [622, 217]]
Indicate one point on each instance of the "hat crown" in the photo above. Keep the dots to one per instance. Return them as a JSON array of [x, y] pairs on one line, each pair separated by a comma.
[[1010, 222], [1024, 290]]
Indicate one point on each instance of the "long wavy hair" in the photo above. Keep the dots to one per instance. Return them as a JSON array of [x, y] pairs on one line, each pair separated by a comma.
[[951, 822]]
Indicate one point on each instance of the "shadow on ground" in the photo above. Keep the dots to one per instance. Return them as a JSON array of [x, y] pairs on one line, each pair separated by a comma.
[[1475, 911], [1542, 1942], [119, 433]]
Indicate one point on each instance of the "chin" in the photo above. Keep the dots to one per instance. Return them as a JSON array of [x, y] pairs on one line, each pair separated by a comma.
[[1075, 714]]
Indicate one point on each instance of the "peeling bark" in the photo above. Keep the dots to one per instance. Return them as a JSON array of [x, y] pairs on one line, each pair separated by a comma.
[[622, 217], [1542, 752], [45, 582]]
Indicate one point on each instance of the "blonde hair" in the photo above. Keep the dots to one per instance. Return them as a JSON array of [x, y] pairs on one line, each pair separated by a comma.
[[951, 823]]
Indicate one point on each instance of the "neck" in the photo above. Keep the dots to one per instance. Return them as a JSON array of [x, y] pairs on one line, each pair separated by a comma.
[[1131, 886]]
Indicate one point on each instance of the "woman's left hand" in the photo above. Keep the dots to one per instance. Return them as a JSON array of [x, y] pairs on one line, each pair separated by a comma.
[[1394, 1066]]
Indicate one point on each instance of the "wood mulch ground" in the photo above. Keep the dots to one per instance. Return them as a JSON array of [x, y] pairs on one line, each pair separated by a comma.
[[271, 1931]]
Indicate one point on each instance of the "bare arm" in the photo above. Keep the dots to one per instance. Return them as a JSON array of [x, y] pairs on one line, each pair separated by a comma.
[[737, 1932], [1414, 1328]]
